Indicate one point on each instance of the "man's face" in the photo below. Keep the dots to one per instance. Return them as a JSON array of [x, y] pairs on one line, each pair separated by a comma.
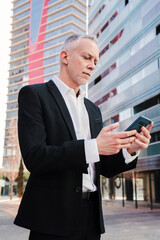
[[82, 59]]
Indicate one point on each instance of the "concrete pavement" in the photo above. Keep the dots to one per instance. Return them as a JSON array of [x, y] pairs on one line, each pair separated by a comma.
[[129, 223], [9, 231], [121, 223]]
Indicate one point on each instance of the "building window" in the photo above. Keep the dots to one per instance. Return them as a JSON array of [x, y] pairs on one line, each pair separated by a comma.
[[104, 50], [115, 119], [106, 97], [158, 62], [147, 104], [108, 70], [106, 24], [104, 74], [155, 137], [98, 79], [104, 27], [97, 14], [115, 39], [158, 29], [97, 35], [126, 2], [113, 16]]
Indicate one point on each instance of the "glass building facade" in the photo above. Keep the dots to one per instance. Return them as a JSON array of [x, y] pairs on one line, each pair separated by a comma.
[[126, 84], [39, 28]]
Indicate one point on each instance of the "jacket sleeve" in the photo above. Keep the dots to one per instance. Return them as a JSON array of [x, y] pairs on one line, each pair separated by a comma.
[[37, 155], [114, 164]]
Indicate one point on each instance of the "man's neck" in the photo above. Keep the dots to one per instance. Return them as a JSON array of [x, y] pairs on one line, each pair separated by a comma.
[[70, 84]]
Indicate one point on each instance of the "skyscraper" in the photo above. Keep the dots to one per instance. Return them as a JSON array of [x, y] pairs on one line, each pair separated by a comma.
[[39, 28], [126, 84]]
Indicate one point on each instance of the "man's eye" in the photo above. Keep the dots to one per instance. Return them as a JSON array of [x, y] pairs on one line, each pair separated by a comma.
[[86, 57]]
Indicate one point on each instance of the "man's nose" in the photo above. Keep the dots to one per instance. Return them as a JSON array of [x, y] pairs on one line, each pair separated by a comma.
[[91, 65]]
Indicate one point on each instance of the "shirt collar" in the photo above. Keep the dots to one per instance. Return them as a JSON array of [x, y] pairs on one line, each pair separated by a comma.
[[64, 89]]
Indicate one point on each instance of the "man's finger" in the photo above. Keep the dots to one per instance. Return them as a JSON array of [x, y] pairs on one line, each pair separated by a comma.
[[125, 134], [149, 127], [111, 127], [143, 138], [127, 140], [141, 144], [125, 146], [145, 133]]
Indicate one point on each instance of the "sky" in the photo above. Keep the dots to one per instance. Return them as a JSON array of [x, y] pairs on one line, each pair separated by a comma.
[[5, 28]]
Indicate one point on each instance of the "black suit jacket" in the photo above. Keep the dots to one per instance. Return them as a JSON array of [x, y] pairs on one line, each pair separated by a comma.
[[56, 159]]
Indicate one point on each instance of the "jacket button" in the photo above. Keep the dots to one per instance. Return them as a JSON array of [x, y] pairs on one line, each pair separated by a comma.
[[78, 189]]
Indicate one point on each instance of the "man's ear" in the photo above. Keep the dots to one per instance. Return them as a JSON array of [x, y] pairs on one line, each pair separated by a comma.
[[64, 56]]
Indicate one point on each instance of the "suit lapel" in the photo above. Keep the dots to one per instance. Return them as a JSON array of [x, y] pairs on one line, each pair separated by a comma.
[[62, 107], [92, 121], [94, 131], [66, 115]]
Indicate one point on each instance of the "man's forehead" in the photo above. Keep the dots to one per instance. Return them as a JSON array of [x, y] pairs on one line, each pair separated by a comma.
[[88, 46]]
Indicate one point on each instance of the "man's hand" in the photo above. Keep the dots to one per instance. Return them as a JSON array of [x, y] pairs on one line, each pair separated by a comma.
[[112, 142], [142, 139]]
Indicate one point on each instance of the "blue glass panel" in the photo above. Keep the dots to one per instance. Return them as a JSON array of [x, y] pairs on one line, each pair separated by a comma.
[[154, 149], [21, 8], [22, 15], [18, 2], [16, 25], [36, 13]]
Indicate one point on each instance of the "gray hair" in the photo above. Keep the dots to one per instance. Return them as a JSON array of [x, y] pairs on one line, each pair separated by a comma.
[[76, 37]]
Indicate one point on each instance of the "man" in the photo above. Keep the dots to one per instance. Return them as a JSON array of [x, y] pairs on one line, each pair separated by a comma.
[[65, 149]]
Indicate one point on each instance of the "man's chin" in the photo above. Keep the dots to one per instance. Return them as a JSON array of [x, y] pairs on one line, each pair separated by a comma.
[[84, 81], [81, 81]]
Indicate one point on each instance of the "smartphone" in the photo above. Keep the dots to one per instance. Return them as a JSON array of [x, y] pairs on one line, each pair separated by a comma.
[[139, 123]]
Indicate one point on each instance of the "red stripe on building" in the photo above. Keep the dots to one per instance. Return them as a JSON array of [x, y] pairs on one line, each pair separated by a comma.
[[33, 48]]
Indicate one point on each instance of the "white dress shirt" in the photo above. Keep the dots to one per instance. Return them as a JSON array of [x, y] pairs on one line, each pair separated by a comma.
[[79, 116]]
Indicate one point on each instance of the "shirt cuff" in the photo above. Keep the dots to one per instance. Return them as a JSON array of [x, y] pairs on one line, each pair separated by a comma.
[[91, 151], [128, 158]]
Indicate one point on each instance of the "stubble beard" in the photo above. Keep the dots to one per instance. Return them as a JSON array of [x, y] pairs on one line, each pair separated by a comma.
[[79, 80]]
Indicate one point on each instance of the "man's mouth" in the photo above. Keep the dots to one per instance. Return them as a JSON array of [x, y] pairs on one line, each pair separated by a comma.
[[88, 74]]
